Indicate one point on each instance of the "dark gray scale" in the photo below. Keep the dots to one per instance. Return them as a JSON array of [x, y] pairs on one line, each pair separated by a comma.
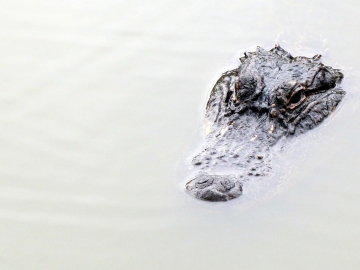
[[271, 95]]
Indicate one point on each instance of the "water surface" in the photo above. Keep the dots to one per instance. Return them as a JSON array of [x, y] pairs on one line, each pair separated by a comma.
[[101, 107]]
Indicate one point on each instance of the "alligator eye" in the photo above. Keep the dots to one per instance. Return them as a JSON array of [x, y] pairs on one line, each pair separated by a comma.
[[323, 81], [296, 99]]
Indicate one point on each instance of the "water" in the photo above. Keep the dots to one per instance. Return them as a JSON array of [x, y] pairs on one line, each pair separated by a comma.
[[101, 104]]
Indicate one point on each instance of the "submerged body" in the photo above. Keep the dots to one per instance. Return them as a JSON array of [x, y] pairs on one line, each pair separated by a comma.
[[271, 95]]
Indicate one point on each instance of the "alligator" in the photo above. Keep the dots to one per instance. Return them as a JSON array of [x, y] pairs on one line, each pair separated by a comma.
[[270, 96]]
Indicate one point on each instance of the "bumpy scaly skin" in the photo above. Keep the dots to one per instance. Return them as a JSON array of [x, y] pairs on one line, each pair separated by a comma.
[[215, 187], [271, 95]]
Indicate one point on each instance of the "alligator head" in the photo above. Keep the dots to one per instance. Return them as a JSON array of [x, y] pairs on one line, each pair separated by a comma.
[[271, 95]]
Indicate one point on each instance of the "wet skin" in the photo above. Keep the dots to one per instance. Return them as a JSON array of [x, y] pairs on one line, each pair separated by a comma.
[[271, 95]]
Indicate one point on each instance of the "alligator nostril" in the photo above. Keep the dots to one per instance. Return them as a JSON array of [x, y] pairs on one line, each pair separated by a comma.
[[227, 184], [204, 182]]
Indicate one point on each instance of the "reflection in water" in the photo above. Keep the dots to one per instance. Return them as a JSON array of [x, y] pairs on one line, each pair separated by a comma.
[[99, 103]]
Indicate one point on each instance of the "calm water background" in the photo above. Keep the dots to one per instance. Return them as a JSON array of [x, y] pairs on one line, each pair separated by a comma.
[[101, 107]]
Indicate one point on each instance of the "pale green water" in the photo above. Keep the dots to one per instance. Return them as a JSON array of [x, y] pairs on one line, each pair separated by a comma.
[[101, 103]]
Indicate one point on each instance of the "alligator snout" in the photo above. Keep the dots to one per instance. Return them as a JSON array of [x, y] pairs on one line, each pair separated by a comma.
[[214, 188]]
